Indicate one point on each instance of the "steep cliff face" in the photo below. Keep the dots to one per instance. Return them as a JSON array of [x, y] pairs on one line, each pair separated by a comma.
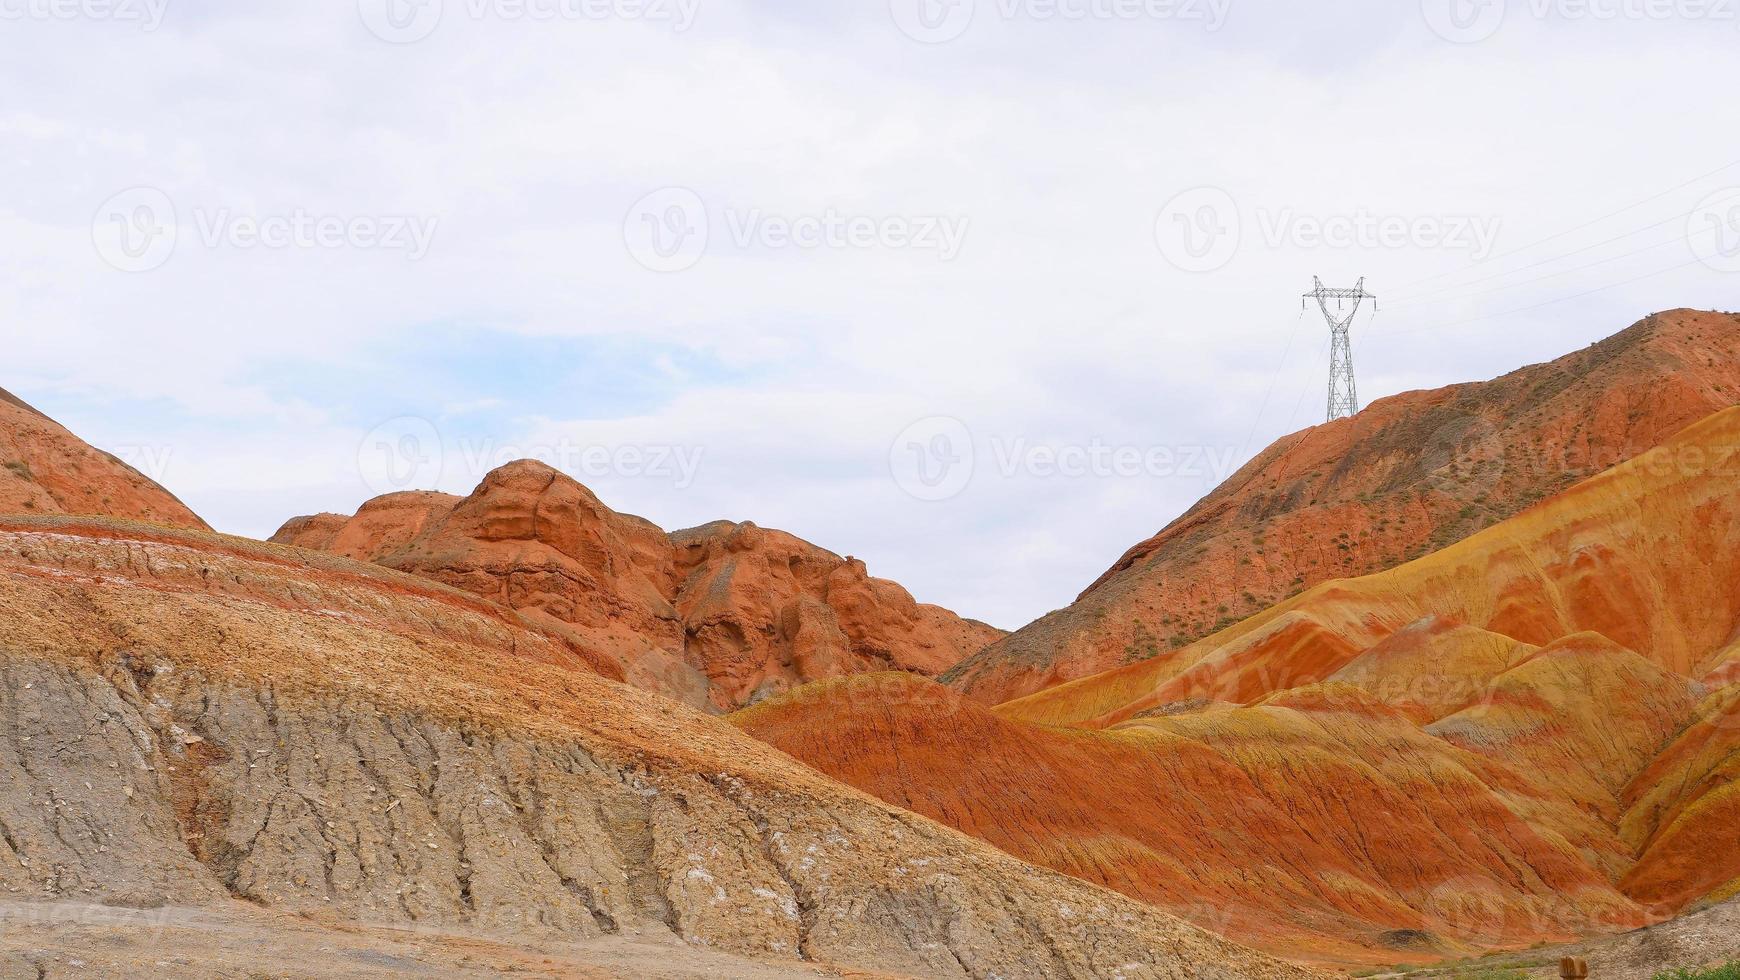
[[190, 718], [716, 616], [1409, 475], [1530, 736], [44, 469]]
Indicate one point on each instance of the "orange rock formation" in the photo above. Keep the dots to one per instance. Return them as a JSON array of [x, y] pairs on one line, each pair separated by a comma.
[[197, 720], [44, 469], [1529, 736], [716, 616], [1410, 474]]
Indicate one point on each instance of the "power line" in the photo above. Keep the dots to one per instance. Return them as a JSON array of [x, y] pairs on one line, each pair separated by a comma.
[[1419, 301], [1293, 418], [1551, 302], [1282, 366], [1556, 258], [1570, 231]]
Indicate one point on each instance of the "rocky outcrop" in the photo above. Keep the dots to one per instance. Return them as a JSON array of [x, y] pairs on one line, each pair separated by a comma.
[[1410, 474], [379, 527], [44, 469], [1528, 737], [716, 616], [185, 718]]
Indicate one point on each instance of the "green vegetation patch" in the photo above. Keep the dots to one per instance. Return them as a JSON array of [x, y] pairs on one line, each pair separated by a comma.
[[1729, 972]]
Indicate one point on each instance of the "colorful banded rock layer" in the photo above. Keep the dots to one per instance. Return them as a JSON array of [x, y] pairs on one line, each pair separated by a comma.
[[716, 616], [1530, 736], [190, 719], [1408, 475]]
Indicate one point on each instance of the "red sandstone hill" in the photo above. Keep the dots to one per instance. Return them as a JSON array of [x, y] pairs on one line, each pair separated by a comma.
[[1530, 736], [295, 737], [1409, 475], [44, 469], [716, 616]]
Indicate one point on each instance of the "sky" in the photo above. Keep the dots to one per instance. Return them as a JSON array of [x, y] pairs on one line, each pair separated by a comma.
[[982, 292]]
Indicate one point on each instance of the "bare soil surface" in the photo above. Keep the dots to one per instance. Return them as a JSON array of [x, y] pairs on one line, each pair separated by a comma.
[[77, 939], [1702, 939]]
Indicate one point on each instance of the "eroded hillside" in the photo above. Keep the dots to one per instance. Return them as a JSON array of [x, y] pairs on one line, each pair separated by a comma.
[[1530, 736], [191, 718], [1410, 474], [716, 616], [44, 469]]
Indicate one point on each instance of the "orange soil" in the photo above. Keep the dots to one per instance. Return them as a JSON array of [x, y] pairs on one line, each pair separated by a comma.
[[1406, 476], [159, 626], [716, 616], [44, 469], [1460, 754]]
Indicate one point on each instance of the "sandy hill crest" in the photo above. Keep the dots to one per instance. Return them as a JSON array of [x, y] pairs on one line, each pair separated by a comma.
[[716, 616], [44, 469], [1410, 474]]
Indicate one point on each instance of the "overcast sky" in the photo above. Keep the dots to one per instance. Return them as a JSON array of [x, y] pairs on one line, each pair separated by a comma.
[[838, 268]]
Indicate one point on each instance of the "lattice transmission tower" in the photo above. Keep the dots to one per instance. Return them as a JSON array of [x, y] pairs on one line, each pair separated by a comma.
[[1343, 394]]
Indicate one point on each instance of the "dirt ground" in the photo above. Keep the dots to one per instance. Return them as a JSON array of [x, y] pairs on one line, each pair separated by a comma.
[[1702, 939], [40, 941]]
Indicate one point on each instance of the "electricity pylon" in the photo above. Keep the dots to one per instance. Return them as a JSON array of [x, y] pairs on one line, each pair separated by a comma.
[[1343, 394]]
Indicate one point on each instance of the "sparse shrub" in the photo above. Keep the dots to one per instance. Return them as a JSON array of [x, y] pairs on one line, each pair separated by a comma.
[[1729, 972]]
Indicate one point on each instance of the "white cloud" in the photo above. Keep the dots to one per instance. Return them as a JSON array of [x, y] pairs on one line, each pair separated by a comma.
[[1058, 323]]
